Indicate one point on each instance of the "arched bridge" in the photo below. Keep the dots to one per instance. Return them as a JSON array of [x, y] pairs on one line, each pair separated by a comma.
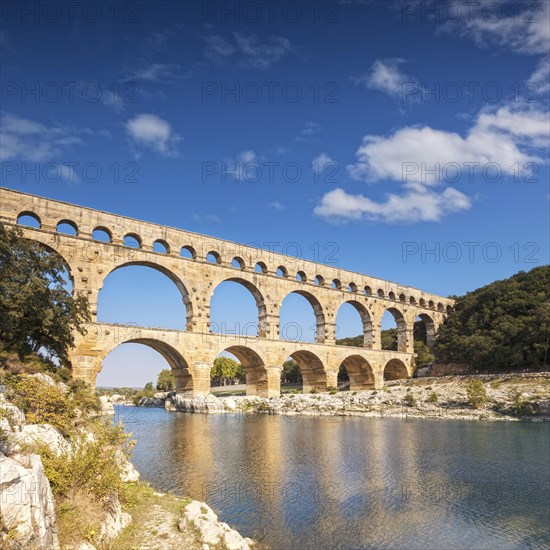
[[102, 242]]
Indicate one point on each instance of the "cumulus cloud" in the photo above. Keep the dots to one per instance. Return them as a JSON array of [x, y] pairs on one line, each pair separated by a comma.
[[246, 50], [276, 205], [413, 206], [507, 137], [153, 132], [386, 76]]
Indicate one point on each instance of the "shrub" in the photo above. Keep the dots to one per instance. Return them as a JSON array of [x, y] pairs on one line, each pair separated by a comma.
[[332, 388], [312, 390], [91, 466], [333, 392], [433, 397], [477, 395], [410, 401]]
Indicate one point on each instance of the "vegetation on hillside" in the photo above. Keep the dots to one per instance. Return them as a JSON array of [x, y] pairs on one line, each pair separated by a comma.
[[502, 326]]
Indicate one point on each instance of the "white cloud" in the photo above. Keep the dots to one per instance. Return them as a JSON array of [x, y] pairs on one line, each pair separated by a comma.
[[159, 72], [413, 206], [321, 162], [310, 129], [247, 50], [154, 133], [505, 137], [525, 32], [28, 140], [540, 79], [245, 166], [276, 205], [386, 76]]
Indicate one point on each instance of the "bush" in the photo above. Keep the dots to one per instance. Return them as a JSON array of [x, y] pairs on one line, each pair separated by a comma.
[[332, 388], [333, 392], [477, 395], [312, 390], [433, 397], [92, 465], [410, 401]]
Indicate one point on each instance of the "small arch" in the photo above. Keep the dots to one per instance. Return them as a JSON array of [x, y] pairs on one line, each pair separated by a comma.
[[319, 280], [439, 306], [29, 219], [313, 372], [360, 373], [260, 267], [431, 304], [213, 257], [102, 234], [301, 277], [281, 271], [188, 252], [412, 300], [238, 263], [67, 227], [395, 369], [402, 298], [352, 287], [367, 291], [160, 246], [336, 284], [449, 309], [380, 293], [391, 295], [131, 240], [422, 302]]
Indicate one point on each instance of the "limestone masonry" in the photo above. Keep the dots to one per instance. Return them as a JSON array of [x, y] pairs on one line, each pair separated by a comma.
[[269, 276]]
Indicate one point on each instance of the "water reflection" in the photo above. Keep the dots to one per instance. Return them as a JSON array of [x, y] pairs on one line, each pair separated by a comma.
[[303, 482]]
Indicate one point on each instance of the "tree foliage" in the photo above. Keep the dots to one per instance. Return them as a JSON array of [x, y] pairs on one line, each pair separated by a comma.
[[226, 370], [166, 380], [36, 309], [502, 326], [291, 373]]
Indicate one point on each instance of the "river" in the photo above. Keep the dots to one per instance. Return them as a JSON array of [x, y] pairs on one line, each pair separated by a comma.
[[354, 483]]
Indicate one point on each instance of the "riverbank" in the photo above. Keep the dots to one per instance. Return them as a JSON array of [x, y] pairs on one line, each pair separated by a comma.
[[512, 397], [68, 483]]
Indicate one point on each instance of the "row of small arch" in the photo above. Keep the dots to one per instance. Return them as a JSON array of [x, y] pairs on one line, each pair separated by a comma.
[[160, 246]]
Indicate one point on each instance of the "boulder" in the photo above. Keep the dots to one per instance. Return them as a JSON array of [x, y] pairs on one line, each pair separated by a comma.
[[213, 532], [32, 435], [26, 502], [115, 521]]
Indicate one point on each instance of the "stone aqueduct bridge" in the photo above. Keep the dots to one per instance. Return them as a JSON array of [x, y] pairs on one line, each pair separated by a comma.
[[269, 276]]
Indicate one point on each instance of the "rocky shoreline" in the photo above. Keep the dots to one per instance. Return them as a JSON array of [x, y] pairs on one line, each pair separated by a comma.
[[510, 397], [28, 515]]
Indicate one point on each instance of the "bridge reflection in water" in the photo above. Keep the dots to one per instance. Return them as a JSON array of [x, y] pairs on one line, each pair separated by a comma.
[[348, 482]]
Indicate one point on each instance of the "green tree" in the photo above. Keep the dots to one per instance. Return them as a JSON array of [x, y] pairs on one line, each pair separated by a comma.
[[423, 352], [37, 311], [291, 373], [166, 380], [226, 370], [502, 326]]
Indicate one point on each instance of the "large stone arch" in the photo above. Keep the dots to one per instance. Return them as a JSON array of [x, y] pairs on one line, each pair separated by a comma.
[[182, 373], [401, 322], [263, 325], [429, 323], [318, 311], [368, 327], [395, 369], [313, 370], [360, 372], [186, 298], [254, 368]]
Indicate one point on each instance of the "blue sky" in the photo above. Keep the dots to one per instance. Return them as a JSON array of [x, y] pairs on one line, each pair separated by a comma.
[[320, 125]]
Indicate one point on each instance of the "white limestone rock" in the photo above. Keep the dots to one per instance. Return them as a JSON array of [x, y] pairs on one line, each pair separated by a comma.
[[26, 502]]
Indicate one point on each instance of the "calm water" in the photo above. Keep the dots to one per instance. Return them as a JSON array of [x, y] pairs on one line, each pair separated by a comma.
[[343, 483]]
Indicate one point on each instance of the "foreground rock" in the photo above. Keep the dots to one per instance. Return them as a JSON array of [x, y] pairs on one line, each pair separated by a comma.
[[27, 509]]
